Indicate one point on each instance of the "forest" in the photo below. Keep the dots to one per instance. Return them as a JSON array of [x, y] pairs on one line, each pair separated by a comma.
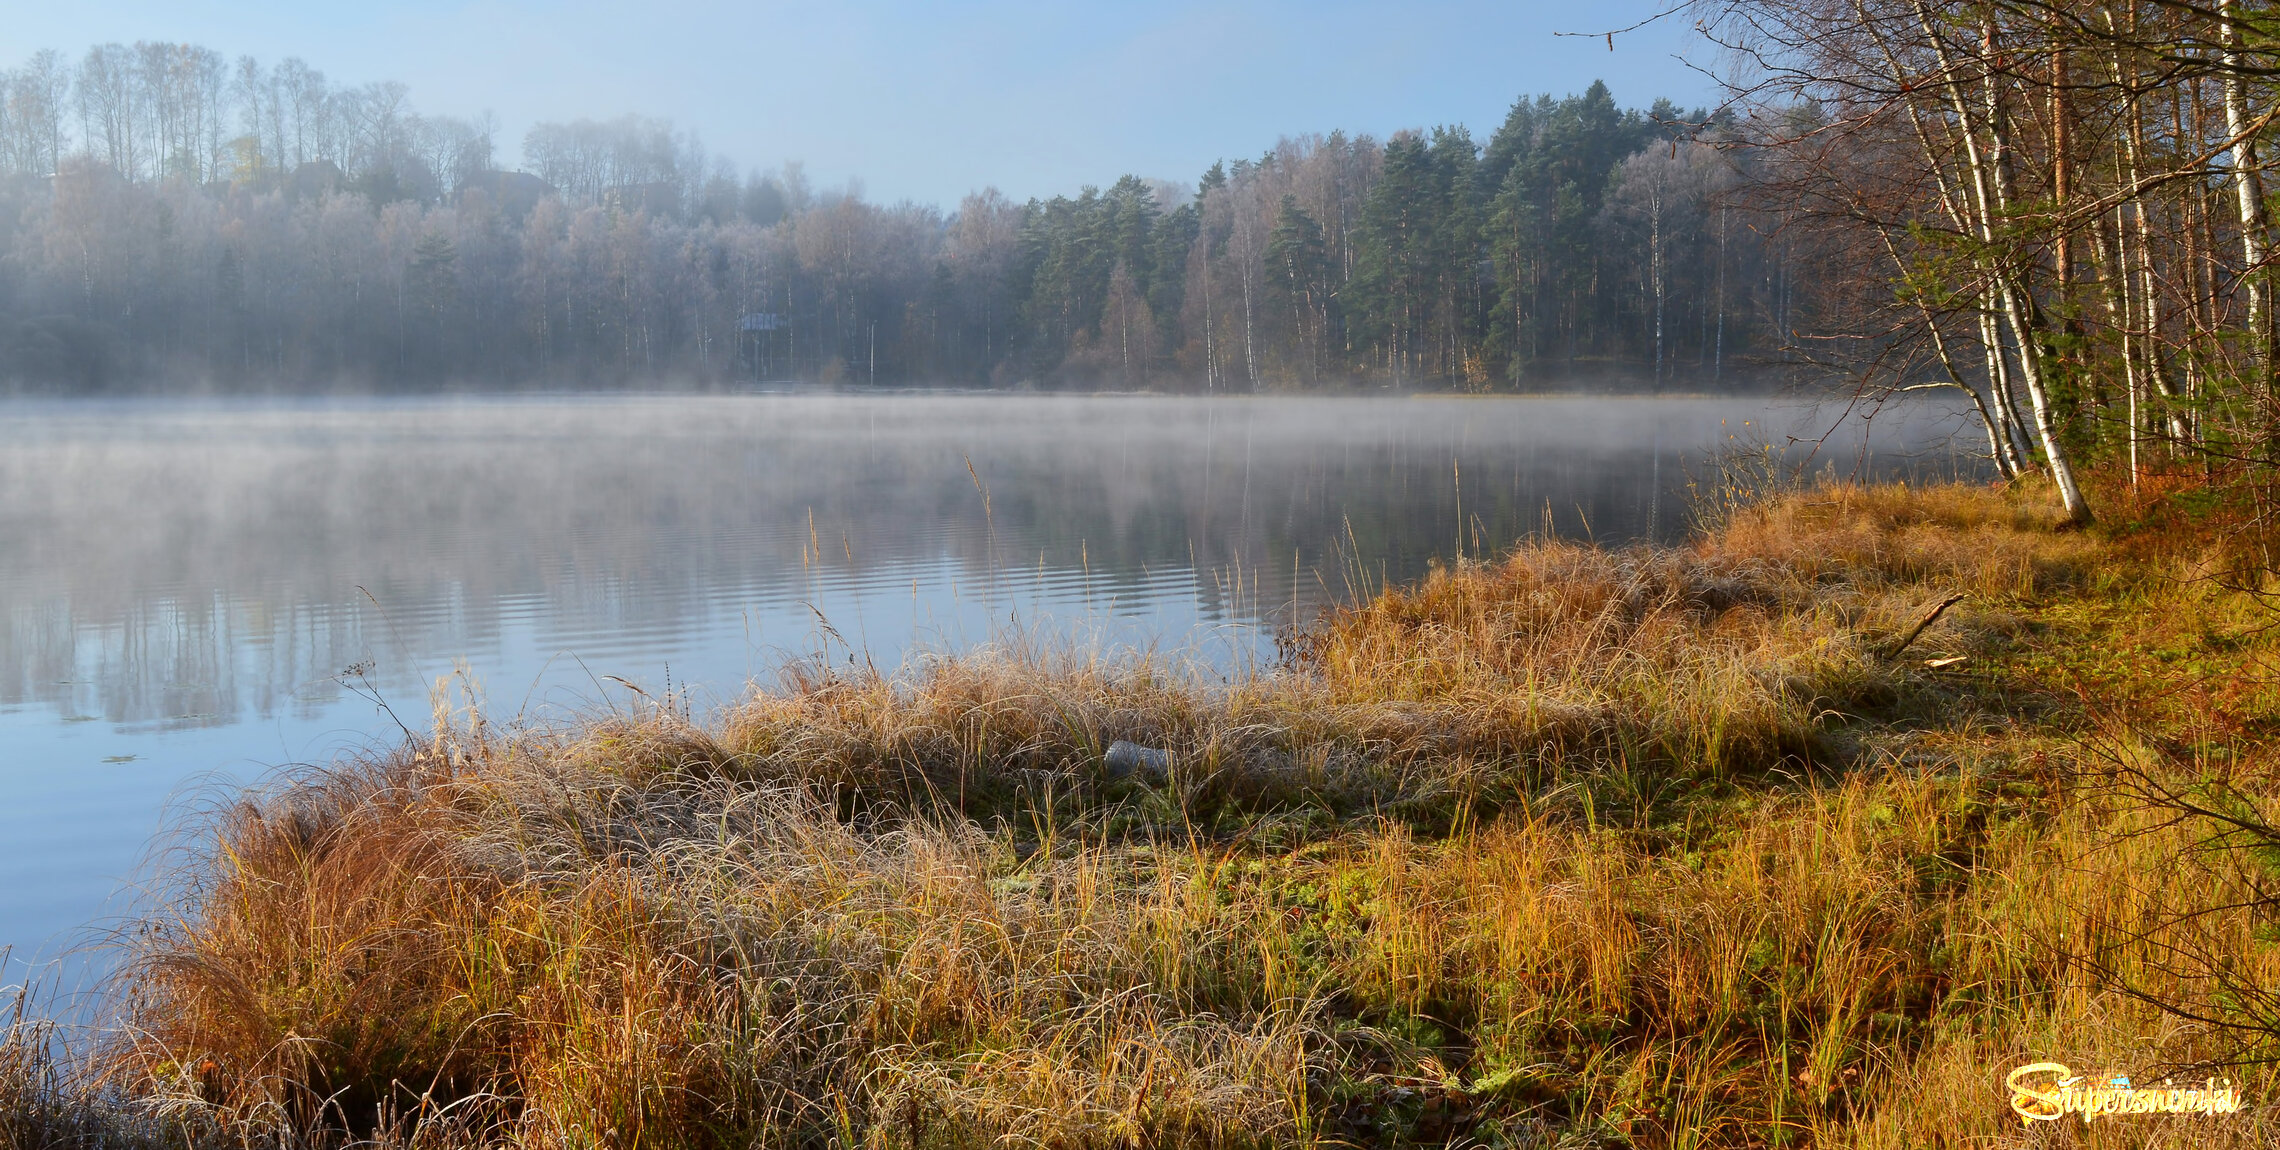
[[2056, 208], [173, 220]]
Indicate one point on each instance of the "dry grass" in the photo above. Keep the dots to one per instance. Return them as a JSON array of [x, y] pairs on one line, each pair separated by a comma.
[[531, 948], [1649, 848]]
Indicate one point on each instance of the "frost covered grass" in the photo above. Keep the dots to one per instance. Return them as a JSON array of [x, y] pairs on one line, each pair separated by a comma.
[[1636, 847]]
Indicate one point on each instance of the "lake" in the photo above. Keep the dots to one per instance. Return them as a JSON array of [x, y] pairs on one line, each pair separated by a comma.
[[195, 593]]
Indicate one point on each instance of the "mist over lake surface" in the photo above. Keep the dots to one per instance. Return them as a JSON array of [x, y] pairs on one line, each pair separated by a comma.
[[193, 594]]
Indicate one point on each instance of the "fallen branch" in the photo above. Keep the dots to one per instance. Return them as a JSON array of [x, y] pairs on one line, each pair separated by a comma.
[[1924, 622]]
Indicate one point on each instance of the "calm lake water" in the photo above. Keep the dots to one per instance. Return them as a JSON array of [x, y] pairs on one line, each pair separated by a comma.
[[194, 594]]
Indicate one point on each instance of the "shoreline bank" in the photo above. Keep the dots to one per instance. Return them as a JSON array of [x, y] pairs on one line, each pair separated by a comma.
[[1642, 846]]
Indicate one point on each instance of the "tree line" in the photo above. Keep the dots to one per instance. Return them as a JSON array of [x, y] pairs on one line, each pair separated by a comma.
[[170, 219], [2055, 208]]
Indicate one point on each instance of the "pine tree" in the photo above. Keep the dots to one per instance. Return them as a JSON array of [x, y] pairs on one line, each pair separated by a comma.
[[1298, 273], [1394, 254]]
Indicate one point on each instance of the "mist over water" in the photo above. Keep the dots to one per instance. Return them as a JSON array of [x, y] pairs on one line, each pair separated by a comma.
[[197, 593]]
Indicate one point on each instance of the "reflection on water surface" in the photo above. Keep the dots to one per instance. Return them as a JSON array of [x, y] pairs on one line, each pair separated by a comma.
[[188, 590]]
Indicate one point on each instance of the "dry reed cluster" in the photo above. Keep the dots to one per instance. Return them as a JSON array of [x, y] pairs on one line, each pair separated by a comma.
[[1583, 847]]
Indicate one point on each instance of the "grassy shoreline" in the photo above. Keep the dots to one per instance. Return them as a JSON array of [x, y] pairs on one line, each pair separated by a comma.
[[1642, 847]]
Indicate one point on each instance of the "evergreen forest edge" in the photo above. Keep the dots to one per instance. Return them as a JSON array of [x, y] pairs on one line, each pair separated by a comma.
[[175, 222]]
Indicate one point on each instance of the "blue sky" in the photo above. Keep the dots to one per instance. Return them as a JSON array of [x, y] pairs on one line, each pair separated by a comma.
[[929, 101]]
